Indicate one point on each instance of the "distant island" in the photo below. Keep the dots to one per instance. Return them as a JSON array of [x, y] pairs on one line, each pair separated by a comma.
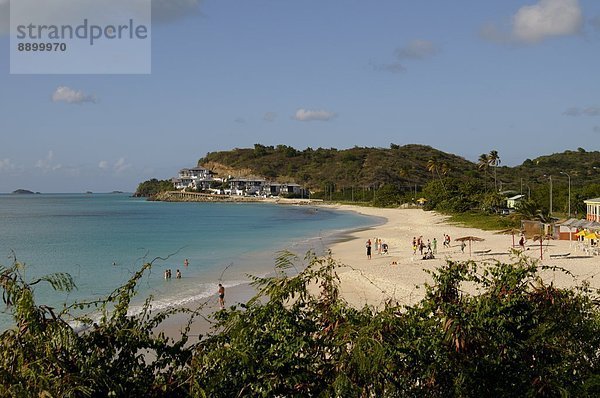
[[23, 192]]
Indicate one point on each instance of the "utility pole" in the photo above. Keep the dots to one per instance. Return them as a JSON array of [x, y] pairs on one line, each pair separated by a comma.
[[569, 177]]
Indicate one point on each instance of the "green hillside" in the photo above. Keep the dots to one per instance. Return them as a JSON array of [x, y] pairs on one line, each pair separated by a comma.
[[317, 169], [361, 174]]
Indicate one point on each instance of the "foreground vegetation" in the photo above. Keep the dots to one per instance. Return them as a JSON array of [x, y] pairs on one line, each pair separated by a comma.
[[516, 337]]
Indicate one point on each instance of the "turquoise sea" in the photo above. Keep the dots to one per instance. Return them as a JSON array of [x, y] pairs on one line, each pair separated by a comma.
[[102, 239]]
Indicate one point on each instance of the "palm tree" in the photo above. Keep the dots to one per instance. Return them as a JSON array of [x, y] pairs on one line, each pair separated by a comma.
[[445, 168], [484, 163], [494, 160], [434, 167]]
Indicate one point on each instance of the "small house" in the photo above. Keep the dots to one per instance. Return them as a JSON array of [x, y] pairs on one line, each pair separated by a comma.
[[512, 202]]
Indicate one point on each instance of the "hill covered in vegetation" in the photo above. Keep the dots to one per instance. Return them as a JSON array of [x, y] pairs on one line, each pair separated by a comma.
[[321, 169], [403, 173]]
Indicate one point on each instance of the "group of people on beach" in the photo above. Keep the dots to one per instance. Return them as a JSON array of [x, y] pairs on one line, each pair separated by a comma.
[[380, 247], [426, 250]]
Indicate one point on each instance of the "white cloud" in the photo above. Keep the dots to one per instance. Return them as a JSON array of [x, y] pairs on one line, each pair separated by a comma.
[[6, 164], [547, 18], [269, 116], [306, 115], [47, 164], [120, 166], [534, 23], [417, 49], [71, 96]]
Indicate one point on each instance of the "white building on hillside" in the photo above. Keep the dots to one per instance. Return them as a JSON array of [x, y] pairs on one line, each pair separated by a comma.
[[194, 178]]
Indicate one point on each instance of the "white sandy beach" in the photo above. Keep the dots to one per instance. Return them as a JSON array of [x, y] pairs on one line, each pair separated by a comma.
[[372, 282]]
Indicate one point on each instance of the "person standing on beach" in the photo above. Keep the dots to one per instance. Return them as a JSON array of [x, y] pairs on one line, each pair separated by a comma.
[[522, 242], [369, 249], [221, 296], [434, 242]]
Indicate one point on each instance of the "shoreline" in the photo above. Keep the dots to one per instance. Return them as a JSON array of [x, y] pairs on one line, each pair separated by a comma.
[[377, 281]]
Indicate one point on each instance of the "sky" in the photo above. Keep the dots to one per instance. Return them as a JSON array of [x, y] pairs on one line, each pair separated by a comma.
[[466, 77]]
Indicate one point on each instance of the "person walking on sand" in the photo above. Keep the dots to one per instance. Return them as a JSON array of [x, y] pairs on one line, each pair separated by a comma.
[[462, 246], [434, 245], [369, 249], [221, 296], [522, 242]]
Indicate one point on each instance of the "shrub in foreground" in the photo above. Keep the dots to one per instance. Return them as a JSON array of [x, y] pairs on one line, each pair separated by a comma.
[[481, 329]]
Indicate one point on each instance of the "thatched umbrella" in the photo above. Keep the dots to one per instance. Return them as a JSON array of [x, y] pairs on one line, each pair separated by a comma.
[[511, 231], [469, 239], [541, 239]]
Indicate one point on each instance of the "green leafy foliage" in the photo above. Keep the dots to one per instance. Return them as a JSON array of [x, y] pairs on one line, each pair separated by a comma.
[[493, 329], [152, 187], [43, 355]]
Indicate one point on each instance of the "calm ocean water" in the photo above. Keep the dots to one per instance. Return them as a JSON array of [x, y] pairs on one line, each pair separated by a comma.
[[84, 235]]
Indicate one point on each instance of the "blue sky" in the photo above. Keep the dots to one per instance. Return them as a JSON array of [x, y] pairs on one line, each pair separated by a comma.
[[466, 77]]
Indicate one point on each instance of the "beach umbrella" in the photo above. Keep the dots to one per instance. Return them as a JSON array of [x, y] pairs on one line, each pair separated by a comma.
[[541, 239], [581, 233], [591, 236], [469, 239], [511, 231]]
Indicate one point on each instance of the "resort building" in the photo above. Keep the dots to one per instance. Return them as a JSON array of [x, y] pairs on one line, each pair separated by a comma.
[[285, 189], [246, 186], [194, 178], [201, 179], [593, 209], [260, 187]]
